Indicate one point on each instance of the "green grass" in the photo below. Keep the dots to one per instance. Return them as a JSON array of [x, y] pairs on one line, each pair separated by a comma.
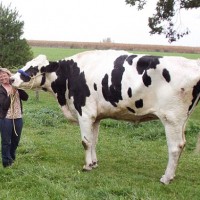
[[55, 53], [186, 55], [132, 158], [60, 53]]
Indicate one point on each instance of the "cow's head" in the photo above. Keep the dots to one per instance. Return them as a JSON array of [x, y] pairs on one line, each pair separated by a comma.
[[30, 76]]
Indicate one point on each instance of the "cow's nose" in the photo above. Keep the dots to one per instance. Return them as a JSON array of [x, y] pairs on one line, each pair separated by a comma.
[[11, 80]]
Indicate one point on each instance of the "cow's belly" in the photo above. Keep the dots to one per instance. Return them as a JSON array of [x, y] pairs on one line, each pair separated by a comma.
[[125, 114], [136, 118]]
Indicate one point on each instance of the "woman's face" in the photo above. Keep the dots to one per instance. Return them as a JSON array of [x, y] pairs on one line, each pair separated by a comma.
[[4, 77]]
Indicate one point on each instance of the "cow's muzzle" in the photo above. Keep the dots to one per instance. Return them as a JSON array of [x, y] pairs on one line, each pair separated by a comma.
[[11, 80]]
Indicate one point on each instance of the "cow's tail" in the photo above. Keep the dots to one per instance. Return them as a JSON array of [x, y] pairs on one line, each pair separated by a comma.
[[196, 88], [195, 83], [194, 104], [197, 149], [196, 97]]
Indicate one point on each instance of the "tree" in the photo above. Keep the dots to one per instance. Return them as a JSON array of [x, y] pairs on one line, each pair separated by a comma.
[[14, 50], [164, 20]]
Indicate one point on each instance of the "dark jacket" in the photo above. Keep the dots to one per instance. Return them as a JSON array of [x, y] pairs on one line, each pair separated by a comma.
[[5, 100]]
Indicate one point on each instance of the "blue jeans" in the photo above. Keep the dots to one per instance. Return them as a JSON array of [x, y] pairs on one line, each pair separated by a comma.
[[9, 139]]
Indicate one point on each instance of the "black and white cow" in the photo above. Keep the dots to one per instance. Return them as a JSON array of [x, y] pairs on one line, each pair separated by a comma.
[[100, 84]]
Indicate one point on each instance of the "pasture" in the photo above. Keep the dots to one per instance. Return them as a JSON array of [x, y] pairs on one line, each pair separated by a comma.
[[132, 156]]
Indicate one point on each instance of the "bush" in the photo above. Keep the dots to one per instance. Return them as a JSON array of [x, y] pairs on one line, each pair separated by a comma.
[[14, 50]]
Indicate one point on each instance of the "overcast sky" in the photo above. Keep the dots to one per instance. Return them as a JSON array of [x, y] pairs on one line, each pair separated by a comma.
[[95, 20]]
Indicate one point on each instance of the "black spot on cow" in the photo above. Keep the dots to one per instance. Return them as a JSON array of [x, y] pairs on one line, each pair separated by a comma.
[[139, 103], [131, 110], [69, 72], [129, 92], [130, 59], [44, 89], [95, 86], [113, 92], [144, 64], [52, 67], [119, 62], [195, 93], [147, 62], [146, 79], [85, 146], [105, 88], [31, 71], [43, 79], [166, 75], [59, 85], [25, 78], [77, 86]]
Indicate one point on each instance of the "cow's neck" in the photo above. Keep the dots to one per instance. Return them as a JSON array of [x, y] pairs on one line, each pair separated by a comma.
[[56, 80]]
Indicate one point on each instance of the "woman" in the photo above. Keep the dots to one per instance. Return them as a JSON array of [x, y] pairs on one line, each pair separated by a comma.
[[11, 122]]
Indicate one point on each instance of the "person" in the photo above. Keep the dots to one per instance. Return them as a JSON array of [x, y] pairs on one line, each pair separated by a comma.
[[11, 122]]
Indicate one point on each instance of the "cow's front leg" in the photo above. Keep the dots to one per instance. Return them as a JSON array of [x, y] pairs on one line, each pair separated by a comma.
[[87, 144], [86, 126], [94, 142], [176, 142]]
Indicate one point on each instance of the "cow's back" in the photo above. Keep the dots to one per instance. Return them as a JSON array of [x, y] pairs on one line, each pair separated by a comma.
[[124, 85]]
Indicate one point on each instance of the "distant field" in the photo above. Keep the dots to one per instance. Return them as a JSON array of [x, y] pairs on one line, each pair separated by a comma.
[[55, 53], [102, 45]]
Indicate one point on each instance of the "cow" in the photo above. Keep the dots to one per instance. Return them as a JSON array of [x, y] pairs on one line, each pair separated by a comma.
[[99, 84]]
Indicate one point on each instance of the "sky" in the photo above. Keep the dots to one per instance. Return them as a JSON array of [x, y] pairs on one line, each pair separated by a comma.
[[96, 20]]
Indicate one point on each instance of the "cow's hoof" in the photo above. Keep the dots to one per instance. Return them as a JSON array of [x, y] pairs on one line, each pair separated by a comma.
[[87, 168], [165, 180], [94, 165]]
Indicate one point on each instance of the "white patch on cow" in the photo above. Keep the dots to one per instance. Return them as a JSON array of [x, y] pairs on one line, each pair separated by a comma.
[[50, 77]]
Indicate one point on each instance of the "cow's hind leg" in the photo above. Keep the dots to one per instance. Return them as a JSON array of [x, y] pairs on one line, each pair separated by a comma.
[[176, 141]]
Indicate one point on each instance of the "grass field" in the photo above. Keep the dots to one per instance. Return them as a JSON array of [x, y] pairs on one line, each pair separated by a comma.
[[60, 53], [132, 157]]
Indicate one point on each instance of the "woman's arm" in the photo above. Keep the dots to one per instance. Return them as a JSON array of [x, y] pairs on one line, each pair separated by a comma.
[[23, 95], [4, 100]]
